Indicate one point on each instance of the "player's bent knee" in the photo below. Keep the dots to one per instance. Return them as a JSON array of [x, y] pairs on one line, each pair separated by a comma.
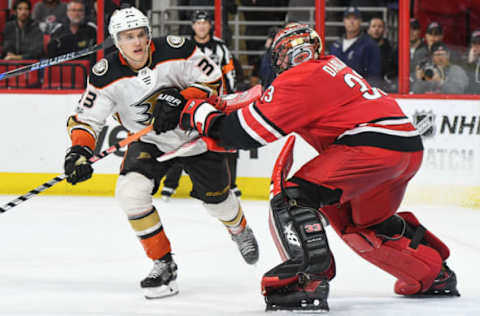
[[403, 248], [225, 210], [133, 193]]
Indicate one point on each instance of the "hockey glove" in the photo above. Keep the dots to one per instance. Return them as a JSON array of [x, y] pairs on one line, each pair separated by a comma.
[[77, 168], [167, 110], [199, 115], [217, 102]]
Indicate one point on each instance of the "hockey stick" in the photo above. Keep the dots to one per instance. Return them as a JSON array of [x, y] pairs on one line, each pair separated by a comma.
[[233, 102], [59, 178], [239, 97], [238, 100], [44, 63]]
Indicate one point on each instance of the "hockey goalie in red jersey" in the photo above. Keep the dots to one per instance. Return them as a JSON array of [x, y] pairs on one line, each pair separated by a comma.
[[368, 150]]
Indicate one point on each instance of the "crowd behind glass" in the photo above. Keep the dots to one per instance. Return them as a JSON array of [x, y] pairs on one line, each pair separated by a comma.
[[50, 28]]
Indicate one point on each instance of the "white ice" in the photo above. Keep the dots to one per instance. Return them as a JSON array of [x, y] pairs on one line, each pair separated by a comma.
[[79, 256]]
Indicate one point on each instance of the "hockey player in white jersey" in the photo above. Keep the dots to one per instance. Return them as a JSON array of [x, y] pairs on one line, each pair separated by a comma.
[[218, 52], [128, 84]]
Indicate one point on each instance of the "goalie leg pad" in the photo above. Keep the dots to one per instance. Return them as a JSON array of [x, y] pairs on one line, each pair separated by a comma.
[[401, 249], [445, 282], [298, 232], [133, 193]]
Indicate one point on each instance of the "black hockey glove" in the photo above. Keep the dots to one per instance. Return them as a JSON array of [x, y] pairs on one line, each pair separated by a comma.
[[77, 168], [166, 114]]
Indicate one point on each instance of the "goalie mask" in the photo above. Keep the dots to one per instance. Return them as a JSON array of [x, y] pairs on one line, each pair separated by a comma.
[[127, 19], [293, 45]]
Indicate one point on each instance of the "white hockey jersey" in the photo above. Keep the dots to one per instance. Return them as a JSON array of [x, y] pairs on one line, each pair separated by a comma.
[[116, 89]]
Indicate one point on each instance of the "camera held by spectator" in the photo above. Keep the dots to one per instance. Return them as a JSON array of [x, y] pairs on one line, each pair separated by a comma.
[[439, 75], [430, 70]]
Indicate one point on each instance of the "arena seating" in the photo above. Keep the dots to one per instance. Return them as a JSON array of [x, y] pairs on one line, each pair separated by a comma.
[[69, 75], [28, 80]]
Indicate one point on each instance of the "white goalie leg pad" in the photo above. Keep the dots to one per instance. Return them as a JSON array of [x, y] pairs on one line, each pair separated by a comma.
[[134, 193], [226, 210]]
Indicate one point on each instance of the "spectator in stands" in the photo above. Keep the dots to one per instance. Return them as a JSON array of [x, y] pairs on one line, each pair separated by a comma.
[[440, 76], [74, 35], [50, 14], [473, 63], [376, 30], [415, 43], [433, 34], [357, 49], [22, 37]]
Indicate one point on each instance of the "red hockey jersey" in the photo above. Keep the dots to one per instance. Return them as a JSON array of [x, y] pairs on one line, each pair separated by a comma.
[[325, 102]]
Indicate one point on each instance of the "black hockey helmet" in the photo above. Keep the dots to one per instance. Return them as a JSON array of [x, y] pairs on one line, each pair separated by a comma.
[[201, 15]]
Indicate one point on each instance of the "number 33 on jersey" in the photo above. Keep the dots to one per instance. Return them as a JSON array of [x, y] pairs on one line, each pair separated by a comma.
[[323, 101]]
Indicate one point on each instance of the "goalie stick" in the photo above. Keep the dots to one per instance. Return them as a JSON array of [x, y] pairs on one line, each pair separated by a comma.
[[44, 63], [241, 99], [59, 178]]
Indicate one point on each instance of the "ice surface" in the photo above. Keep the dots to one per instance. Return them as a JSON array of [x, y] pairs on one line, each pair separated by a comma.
[[79, 256]]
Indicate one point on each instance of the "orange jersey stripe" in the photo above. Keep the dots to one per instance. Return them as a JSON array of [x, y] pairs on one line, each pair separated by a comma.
[[228, 67], [193, 93], [82, 138]]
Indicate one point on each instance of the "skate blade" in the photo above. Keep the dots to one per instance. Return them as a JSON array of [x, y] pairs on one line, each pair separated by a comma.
[[320, 308], [152, 293], [165, 199], [453, 294]]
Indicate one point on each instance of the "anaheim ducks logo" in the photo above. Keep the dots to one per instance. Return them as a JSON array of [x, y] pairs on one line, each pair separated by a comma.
[[175, 41], [100, 67]]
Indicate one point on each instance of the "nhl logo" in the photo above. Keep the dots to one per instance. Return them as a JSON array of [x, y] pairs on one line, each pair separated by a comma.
[[424, 121]]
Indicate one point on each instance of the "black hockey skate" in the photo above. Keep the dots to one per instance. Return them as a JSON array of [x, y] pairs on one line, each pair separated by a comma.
[[445, 284], [300, 292], [236, 191], [247, 245], [167, 193], [161, 281]]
